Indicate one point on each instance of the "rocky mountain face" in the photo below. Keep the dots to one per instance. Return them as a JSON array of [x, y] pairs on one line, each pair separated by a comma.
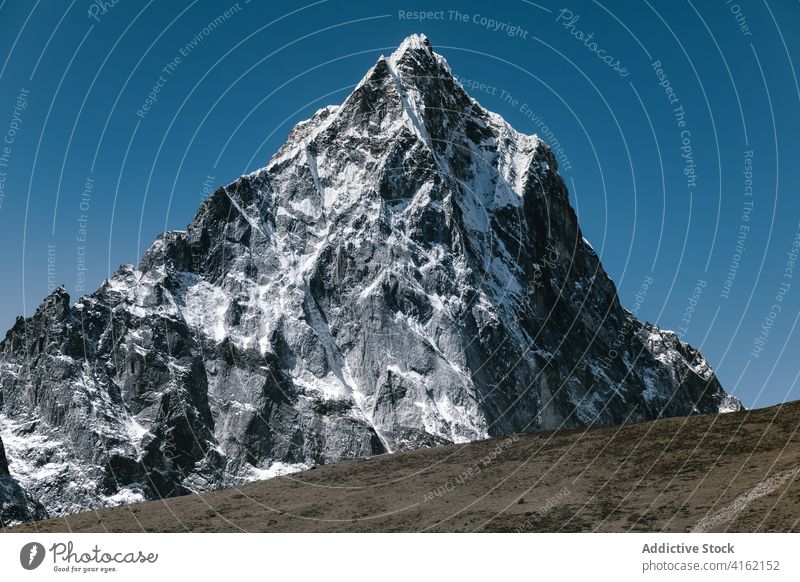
[[406, 271], [15, 503]]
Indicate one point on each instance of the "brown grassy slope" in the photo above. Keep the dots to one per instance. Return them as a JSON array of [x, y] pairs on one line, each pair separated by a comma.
[[737, 472]]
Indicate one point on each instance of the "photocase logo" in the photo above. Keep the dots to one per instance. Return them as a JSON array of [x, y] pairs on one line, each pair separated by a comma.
[[31, 555]]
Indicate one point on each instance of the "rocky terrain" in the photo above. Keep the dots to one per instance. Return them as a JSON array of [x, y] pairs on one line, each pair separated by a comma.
[[736, 472], [15, 504], [406, 271]]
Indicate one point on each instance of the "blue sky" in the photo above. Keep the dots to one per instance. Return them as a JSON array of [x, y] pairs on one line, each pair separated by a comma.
[[678, 123]]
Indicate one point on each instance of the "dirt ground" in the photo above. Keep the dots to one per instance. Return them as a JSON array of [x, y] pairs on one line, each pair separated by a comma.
[[731, 472]]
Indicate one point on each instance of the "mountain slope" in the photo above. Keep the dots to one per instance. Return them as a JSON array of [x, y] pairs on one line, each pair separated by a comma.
[[406, 271], [736, 472], [15, 504]]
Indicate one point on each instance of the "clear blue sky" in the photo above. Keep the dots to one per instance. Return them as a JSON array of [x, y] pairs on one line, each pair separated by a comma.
[[83, 72]]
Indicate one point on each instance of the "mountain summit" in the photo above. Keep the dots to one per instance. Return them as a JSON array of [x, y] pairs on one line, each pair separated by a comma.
[[405, 271]]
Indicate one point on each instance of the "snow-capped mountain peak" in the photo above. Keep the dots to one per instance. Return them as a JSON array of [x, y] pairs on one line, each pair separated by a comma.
[[405, 271]]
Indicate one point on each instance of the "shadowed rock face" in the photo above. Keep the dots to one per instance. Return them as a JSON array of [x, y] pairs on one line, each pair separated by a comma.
[[406, 271], [15, 503]]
